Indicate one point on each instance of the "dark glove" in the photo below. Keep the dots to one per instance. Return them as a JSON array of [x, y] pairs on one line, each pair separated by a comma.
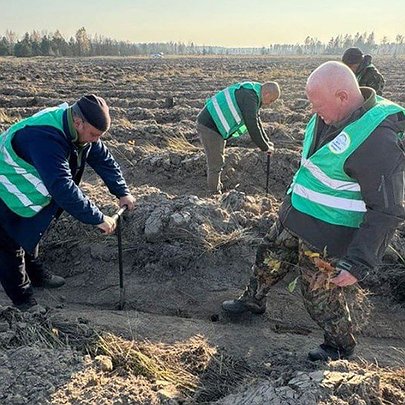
[[354, 267]]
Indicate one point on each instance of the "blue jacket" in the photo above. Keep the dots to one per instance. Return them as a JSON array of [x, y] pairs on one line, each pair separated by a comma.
[[60, 164]]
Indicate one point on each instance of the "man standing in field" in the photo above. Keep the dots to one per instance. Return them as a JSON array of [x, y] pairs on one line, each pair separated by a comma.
[[233, 112], [42, 159], [341, 210], [366, 73]]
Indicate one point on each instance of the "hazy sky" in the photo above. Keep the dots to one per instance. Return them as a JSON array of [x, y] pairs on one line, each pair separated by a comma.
[[216, 22]]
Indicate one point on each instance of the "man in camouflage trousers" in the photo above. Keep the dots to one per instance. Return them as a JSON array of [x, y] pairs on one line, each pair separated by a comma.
[[338, 216], [279, 253]]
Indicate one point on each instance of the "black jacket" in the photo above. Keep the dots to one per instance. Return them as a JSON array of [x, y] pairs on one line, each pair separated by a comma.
[[378, 166], [249, 106]]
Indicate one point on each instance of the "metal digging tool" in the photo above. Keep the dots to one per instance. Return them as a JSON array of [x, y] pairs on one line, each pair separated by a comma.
[[117, 218], [268, 175]]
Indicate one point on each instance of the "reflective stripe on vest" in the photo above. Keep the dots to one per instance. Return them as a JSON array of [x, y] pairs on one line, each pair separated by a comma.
[[21, 187], [320, 187], [225, 111]]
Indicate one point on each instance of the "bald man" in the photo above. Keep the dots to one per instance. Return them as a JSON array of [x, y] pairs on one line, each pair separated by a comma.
[[233, 112], [341, 210]]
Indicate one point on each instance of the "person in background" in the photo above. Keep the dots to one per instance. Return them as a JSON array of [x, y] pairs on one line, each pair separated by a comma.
[[233, 112], [366, 73]]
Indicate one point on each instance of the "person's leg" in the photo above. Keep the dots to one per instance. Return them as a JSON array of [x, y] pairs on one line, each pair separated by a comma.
[[13, 276], [327, 305], [275, 257], [214, 147], [39, 275]]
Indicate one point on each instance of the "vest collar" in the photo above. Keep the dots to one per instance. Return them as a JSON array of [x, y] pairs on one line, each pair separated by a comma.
[[370, 101], [74, 136]]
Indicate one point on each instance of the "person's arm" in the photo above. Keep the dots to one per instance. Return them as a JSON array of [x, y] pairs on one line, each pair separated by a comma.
[[103, 163], [47, 150], [249, 105], [378, 166]]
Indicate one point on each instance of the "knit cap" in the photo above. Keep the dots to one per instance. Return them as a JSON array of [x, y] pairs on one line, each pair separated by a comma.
[[352, 56], [95, 111]]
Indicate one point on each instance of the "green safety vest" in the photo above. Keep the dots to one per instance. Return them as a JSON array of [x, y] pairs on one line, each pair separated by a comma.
[[21, 187], [225, 111], [320, 187]]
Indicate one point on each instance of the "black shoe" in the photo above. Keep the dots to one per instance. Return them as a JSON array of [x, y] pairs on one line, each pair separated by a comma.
[[242, 305], [30, 305], [47, 280], [325, 353]]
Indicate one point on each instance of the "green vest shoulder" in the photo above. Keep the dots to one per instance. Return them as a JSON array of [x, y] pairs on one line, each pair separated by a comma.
[[225, 111], [21, 187]]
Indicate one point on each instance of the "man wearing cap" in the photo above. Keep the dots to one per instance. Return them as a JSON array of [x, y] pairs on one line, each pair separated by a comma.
[[233, 112], [42, 159], [366, 73]]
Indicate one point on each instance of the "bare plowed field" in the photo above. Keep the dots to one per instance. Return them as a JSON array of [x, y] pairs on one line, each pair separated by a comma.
[[184, 252]]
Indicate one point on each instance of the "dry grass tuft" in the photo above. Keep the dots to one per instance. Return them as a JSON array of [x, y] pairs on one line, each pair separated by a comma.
[[190, 369], [179, 143], [5, 118], [148, 148], [214, 239], [38, 329], [177, 364], [124, 123], [210, 239]]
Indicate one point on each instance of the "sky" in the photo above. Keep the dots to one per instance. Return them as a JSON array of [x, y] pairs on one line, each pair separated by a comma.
[[232, 23]]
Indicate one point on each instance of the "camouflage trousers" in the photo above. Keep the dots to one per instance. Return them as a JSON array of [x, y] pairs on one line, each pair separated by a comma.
[[328, 305]]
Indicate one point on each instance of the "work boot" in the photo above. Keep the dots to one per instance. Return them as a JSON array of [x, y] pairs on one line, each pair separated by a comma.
[[245, 304], [41, 277], [325, 353], [47, 280], [249, 301], [31, 305]]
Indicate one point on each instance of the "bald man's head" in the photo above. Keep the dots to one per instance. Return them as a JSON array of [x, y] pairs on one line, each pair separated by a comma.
[[270, 92], [333, 91]]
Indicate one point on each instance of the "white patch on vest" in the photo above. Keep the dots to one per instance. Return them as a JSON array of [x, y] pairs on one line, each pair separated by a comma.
[[340, 143]]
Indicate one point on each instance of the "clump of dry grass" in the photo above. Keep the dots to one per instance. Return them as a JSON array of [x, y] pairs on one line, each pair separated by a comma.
[[192, 368], [179, 143], [38, 329], [124, 123], [210, 239], [176, 364], [214, 239], [149, 148], [5, 118]]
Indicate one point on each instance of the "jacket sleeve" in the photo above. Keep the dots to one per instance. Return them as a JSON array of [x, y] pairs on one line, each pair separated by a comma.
[[248, 105], [103, 163], [48, 151], [378, 166]]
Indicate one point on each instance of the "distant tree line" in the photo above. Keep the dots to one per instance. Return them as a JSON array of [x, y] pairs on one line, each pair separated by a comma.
[[82, 44]]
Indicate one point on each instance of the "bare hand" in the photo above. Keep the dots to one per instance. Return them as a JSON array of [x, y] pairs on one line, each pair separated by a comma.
[[343, 279], [128, 200], [108, 226]]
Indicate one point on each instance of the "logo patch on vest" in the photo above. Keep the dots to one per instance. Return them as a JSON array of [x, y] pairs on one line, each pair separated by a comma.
[[340, 143]]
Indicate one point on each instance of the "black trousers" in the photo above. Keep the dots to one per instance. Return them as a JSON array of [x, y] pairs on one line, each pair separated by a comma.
[[13, 275]]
